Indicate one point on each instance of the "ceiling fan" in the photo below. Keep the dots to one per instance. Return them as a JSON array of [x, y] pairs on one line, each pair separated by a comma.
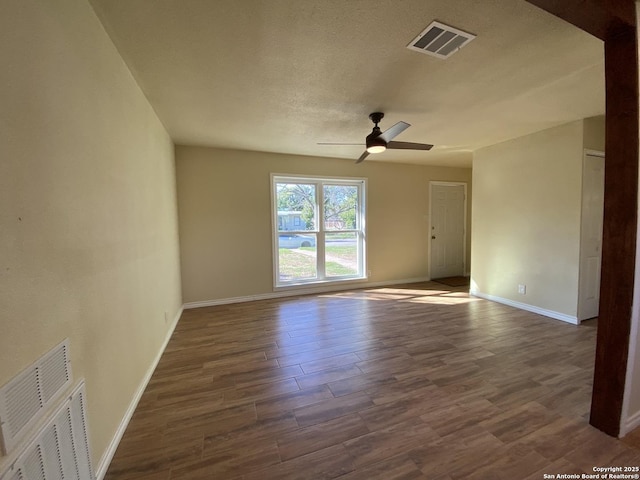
[[378, 141]]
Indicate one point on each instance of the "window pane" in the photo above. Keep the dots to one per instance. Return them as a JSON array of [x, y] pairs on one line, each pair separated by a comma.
[[296, 206], [314, 214], [297, 257], [341, 254], [340, 207]]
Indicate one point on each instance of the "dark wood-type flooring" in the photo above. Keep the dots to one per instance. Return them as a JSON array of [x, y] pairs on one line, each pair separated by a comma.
[[411, 382]]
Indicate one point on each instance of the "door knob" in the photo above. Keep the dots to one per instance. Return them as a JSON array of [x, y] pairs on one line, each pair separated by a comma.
[[433, 237]]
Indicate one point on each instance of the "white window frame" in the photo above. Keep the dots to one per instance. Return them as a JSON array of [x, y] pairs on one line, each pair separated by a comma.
[[319, 230]]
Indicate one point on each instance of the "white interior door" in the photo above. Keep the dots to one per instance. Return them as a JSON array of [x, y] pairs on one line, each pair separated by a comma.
[[447, 230], [591, 236]]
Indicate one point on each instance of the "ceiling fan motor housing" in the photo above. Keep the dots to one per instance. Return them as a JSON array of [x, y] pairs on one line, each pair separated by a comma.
[[374, 143], [374, 140]]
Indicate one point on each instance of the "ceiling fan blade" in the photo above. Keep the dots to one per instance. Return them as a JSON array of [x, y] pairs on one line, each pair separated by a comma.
[[409, 146], [390, 133], [364, 155], [333, 143]]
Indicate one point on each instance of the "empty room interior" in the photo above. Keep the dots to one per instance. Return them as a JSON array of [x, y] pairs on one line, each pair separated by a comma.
[[302, 239]]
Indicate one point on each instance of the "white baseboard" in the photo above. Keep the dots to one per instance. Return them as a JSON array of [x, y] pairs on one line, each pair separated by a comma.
[[105, 461], [630, 424], [291, 292], [525, 306]]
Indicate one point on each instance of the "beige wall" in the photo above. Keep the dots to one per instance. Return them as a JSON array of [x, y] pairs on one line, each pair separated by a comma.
[[526, 218], [225, 217], [594, 133], [88, 217]]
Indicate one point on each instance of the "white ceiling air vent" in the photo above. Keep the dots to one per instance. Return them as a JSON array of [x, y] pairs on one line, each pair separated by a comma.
[[440, 40]]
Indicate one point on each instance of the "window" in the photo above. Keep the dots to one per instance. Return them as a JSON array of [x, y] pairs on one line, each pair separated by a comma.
[[324, 237]]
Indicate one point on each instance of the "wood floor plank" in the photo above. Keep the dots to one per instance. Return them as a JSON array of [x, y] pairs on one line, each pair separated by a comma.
[[391, 441], [408, 407], [513, 424], [369, 383], [455, 459], [405, 382], [400, 467], [251, 393], [600, 449], [228, 458], [322, 435], [276, 406], [332, 408], [320, 364], [515, 463], [558, 438], [325, 464], [560, 466], [328, 375]]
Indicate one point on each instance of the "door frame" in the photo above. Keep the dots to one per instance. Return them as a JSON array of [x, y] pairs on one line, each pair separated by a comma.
[[464, 220]]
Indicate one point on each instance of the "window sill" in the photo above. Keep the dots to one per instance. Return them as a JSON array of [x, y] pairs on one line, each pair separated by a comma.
[[318, 283]]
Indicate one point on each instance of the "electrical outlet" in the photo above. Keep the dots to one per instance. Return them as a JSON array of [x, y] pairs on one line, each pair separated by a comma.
[[368, 273], [522, 289]]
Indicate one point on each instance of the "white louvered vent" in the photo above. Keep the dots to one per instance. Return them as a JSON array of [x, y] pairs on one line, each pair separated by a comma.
[[81, 452], [33, 466], [440, 40], [25, 399], [60, 450], [16, 476]]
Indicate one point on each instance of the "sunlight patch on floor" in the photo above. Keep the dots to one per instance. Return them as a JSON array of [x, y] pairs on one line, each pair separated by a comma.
[[424, 296]]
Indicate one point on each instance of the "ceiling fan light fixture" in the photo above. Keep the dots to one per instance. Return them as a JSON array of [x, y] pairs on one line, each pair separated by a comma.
[[375, 144], [376, 148]]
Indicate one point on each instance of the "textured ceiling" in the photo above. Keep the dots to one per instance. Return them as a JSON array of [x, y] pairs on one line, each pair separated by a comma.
[[283, 75]]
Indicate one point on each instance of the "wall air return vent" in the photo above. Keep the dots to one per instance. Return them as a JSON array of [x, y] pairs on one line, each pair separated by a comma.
[[440, 40], [26, 398], [59, 450]]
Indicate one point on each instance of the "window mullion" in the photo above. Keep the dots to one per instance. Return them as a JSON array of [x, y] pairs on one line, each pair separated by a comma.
[[320, 243], [360, 225]]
